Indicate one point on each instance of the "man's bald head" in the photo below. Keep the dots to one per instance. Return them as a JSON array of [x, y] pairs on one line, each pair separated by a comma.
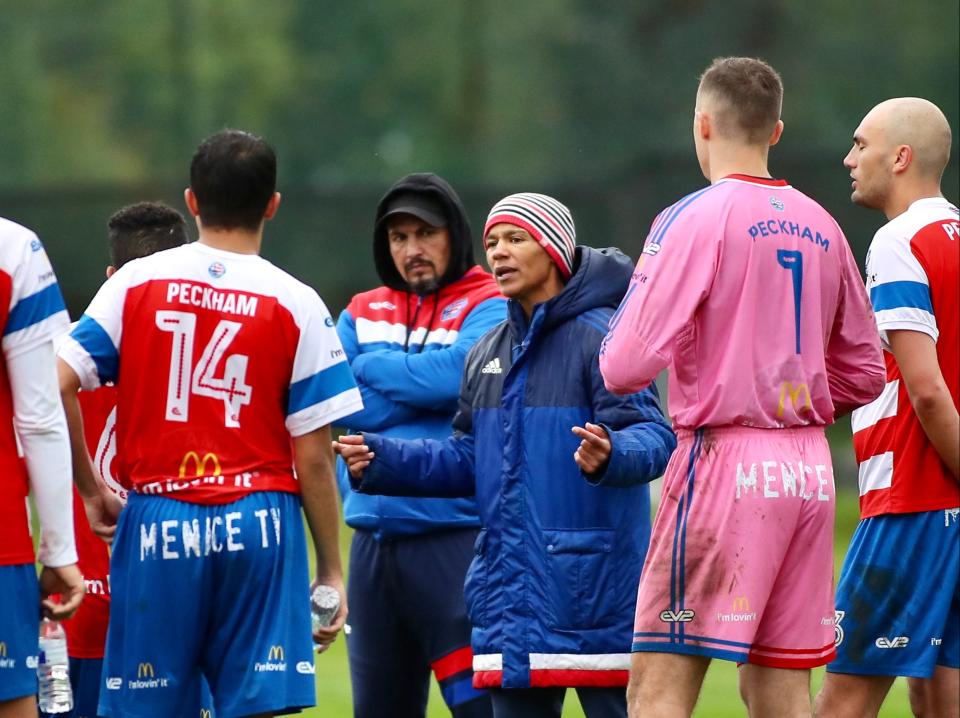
[[919, 124], [899, 153]]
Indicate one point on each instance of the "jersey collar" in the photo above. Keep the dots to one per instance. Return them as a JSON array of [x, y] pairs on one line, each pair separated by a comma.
[[767, 181]]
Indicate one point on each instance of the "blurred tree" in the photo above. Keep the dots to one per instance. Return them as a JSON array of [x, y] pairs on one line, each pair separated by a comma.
[[102, 103]]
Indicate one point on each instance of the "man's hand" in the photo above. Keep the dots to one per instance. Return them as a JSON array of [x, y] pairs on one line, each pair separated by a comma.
[[326, 635], [103, 509], [66, 581], [594, 450], [355, 453]]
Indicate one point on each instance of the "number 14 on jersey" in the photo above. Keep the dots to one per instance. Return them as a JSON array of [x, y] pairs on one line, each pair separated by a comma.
[[201, 379]]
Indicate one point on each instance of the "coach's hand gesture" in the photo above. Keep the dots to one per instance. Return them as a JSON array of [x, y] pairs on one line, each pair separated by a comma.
[[594, 450], [355, 453]]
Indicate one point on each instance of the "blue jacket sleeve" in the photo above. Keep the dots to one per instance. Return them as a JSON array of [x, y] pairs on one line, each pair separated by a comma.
[[347, 331], [418, 467], [424, 467], [378, 412], [429, 380], [642, 440]]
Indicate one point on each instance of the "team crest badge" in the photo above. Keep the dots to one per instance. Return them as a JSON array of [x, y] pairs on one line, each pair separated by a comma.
[[453, 310], [777, 204], [217, 270]]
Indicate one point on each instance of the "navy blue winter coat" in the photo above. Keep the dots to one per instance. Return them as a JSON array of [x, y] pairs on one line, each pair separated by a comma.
[[552, 588]]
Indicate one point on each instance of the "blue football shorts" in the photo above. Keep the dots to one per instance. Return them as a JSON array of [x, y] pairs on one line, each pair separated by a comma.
[[221, 590], [86, 680], [19, 628], [898, 600]]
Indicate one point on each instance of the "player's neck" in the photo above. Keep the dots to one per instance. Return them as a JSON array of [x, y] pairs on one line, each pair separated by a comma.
[[238, 241], [903, 196], [732, 159]]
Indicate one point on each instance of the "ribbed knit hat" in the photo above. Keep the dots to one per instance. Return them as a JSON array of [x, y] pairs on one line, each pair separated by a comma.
[[548, 221]]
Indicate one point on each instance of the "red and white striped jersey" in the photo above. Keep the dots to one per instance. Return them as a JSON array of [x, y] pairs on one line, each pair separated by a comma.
[[913, 275], [31, 312], [219, 359]]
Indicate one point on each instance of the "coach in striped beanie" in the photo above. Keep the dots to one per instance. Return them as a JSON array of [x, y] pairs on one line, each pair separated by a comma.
[[548, 221]]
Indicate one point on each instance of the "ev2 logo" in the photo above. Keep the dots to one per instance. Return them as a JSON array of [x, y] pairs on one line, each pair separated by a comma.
[[895, 642], [684, 616]]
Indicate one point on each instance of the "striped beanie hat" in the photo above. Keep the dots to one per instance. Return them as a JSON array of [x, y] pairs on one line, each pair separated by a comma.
[[547, 221]]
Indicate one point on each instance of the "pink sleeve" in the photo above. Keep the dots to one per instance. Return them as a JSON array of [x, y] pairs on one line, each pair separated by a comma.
[[854, 361], [674, 275]]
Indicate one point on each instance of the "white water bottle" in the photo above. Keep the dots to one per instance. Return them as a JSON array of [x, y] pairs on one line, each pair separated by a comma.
[[324, 604], [53, 669]]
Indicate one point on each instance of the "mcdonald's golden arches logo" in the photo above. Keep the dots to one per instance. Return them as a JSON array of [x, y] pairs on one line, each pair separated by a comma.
[[200, 465], [740, 603], [3, 649], [791, 392], [276, 653], [145, 670], [205, 713]]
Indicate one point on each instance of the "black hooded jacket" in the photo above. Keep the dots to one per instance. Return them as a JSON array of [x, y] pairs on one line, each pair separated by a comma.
[[461, 241]]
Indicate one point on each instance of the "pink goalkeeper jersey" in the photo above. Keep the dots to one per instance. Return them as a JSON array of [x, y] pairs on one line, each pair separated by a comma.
[[748, 291]]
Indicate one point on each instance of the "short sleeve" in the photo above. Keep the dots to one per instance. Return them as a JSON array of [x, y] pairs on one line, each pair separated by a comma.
[[36, 312], [898, 286], [91, 350], [322, 387]]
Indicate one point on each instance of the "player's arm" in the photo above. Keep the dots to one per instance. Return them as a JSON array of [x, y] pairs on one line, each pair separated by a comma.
[[39, 422], [854, 361], [916, 355], [101, 505], [659, 306], [429, 380], [313, 460]]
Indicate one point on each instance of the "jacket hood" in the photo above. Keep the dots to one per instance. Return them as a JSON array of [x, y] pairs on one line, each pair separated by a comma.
[[461, 240], [600, 279]]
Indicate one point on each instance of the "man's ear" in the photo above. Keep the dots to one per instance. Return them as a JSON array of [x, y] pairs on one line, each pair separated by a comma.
[[190, 199], [702, 125], [777, 133], [902, 159], [272, 206], [111, 270]]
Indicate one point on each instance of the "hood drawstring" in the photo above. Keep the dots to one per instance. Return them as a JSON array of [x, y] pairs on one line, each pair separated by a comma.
[[411, 322], [433, 315]]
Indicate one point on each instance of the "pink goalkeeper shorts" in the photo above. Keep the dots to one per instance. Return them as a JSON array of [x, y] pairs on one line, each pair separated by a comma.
[[740, 565]]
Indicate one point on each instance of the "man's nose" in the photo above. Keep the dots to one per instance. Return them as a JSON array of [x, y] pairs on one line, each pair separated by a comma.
[[414, 247]]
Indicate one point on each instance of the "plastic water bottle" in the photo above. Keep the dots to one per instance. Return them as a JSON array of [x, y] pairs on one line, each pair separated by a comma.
[[324, 604], [53, 669]]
